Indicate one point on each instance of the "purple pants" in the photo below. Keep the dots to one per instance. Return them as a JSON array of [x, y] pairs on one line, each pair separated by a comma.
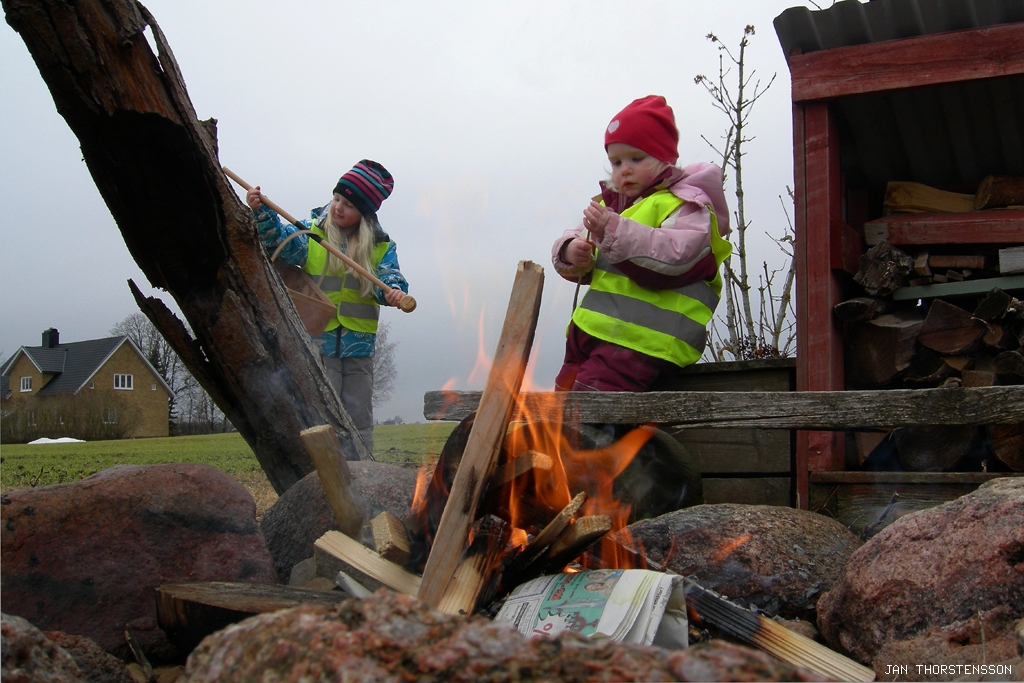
[[592, 364]]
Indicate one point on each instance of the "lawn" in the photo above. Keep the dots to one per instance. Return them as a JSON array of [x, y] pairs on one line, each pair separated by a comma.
[[24, 466]]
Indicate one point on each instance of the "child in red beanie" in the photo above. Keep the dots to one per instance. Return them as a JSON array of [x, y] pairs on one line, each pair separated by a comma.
[[650, 251]]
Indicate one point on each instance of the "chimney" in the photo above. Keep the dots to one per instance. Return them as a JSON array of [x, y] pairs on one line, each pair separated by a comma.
[[51, 338]]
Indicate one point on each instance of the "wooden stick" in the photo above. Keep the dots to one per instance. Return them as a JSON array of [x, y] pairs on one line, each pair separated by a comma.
[[325, 451], [476, 576], [407, 304], [576, 538], [550, 533], [390, 538], [483, 446], [528, 461], [365, 561]]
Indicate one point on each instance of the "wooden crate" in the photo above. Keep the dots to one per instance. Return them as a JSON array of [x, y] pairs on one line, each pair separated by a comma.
[[750, 466]]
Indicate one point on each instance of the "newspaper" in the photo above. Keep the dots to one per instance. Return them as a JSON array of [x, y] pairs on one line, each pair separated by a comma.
[[624, 605]]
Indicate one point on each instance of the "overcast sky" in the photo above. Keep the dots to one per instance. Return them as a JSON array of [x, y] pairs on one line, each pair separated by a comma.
[[490, 116]]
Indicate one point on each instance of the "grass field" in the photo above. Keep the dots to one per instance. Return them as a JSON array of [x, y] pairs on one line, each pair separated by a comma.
[[25, 466]]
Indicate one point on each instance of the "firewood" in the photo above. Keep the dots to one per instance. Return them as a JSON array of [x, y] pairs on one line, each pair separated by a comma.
[[366, 566], [954, 275], [1011, 260], [865, 442], [999, 191], [958, 363], [926, 368], [943, 261], [575, 539], [921, 265], [879, 349], [950, 330], [933, 448], [999, 338], [324, 450], [883, 268], [825, 410], [994, 305], [483, 447], [979, 378], [477, 576], [919, 281], [390, 538], [543, 540], [939, 278], [1010, 363], [1007, 444], [908, 197], [861, 308], [188, 612], [527, 462]]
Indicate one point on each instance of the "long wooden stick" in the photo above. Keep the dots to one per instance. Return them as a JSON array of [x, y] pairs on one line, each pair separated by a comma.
[[407, 304], [325, 451]]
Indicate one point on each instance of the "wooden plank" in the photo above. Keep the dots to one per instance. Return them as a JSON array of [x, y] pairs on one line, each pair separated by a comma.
[[484, 443], [1011, 282], [748, 490], [951, 57], [873, 478], [758, 451], [817, 410], [1011, 260], [847, 247], [324, 450], [977, 227], [390, 538], [360, 558]]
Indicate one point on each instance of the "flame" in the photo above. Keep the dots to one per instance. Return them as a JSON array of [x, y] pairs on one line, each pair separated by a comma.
[[728, 547], [482, 368]]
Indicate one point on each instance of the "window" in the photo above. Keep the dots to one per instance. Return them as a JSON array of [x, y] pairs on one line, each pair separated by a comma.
[[122, 381], [26, 384], [152, 387], [110, 415], [92, 385]]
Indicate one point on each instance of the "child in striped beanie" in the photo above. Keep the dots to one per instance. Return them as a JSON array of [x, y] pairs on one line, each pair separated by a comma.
[[349, 223]]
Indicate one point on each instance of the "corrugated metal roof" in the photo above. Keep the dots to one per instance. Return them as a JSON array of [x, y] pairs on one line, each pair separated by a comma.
[[950, 135]]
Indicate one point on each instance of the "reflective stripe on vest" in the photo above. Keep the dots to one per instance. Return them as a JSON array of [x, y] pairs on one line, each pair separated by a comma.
[[355, 312], [670, 324]]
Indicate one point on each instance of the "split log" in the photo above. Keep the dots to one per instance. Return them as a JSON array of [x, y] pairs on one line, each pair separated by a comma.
[[1011, 260], [933, 448], [1007, 444], [908, 197], [188, 612], [1010, 363], [365, 566], [528, 462], [141, 140], [860, 308], [950, 330], [812, 410], [484, 444], [879, 349], [998, 192], [979, 378], [325, 451], [926, 369], [883, 268], [942, 261], [550, 533], [996, 304], [921, 265], [572, 542], [390, 538], [476, 579]]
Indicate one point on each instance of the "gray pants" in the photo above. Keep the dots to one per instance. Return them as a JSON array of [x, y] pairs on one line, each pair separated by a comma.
[[352, 378]]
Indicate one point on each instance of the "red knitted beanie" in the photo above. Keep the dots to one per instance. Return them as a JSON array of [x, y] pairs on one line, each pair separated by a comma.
[[649, 125]]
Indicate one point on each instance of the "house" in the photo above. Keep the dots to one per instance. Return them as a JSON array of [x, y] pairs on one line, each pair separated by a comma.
[[100, 388]]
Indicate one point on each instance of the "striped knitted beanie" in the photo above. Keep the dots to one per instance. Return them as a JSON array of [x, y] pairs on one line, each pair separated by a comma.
[[367, 185]]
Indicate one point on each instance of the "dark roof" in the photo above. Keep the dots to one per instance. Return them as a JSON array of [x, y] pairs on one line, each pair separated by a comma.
[[950, 135], [73, 364]]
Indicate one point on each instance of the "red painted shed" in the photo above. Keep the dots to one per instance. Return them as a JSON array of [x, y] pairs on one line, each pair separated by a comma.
[[929, 91]]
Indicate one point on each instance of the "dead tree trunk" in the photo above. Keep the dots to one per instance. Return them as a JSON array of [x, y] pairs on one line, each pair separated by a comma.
[[156, 167]]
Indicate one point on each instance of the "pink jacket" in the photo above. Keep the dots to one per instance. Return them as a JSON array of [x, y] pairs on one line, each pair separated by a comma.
[[677, 253]]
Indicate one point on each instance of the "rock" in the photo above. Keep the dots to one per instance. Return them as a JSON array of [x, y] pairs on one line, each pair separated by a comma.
[[28, 656], [957, 644], [96, 664], [778, 559], [392, 637], [85, 558], [931, 569], [302, 514]]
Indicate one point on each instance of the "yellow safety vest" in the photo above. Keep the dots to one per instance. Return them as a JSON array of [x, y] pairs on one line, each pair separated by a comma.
[[670, 324], [355, 312]]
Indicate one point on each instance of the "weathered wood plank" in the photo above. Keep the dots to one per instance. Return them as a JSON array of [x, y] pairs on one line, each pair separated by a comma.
[[983, 227], [950, 57], [479, 460], [1011, 282], [818, 410]]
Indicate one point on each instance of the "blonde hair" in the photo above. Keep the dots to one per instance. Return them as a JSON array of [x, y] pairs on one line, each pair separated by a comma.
[[359, 249]]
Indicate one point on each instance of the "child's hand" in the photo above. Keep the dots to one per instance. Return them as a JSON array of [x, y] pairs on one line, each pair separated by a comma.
[[252, 198], [579, 253], [394, 296], [595, 219]]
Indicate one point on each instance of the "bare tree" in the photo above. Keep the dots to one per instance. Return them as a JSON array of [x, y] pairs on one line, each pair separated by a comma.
[[384, 371], [744, 338]]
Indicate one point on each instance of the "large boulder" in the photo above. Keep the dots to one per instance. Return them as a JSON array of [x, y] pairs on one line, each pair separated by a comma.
[[96, 664], [778, 559], [28, 656], [392, 637], [85, 558], [302, 514], [931, 569]]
